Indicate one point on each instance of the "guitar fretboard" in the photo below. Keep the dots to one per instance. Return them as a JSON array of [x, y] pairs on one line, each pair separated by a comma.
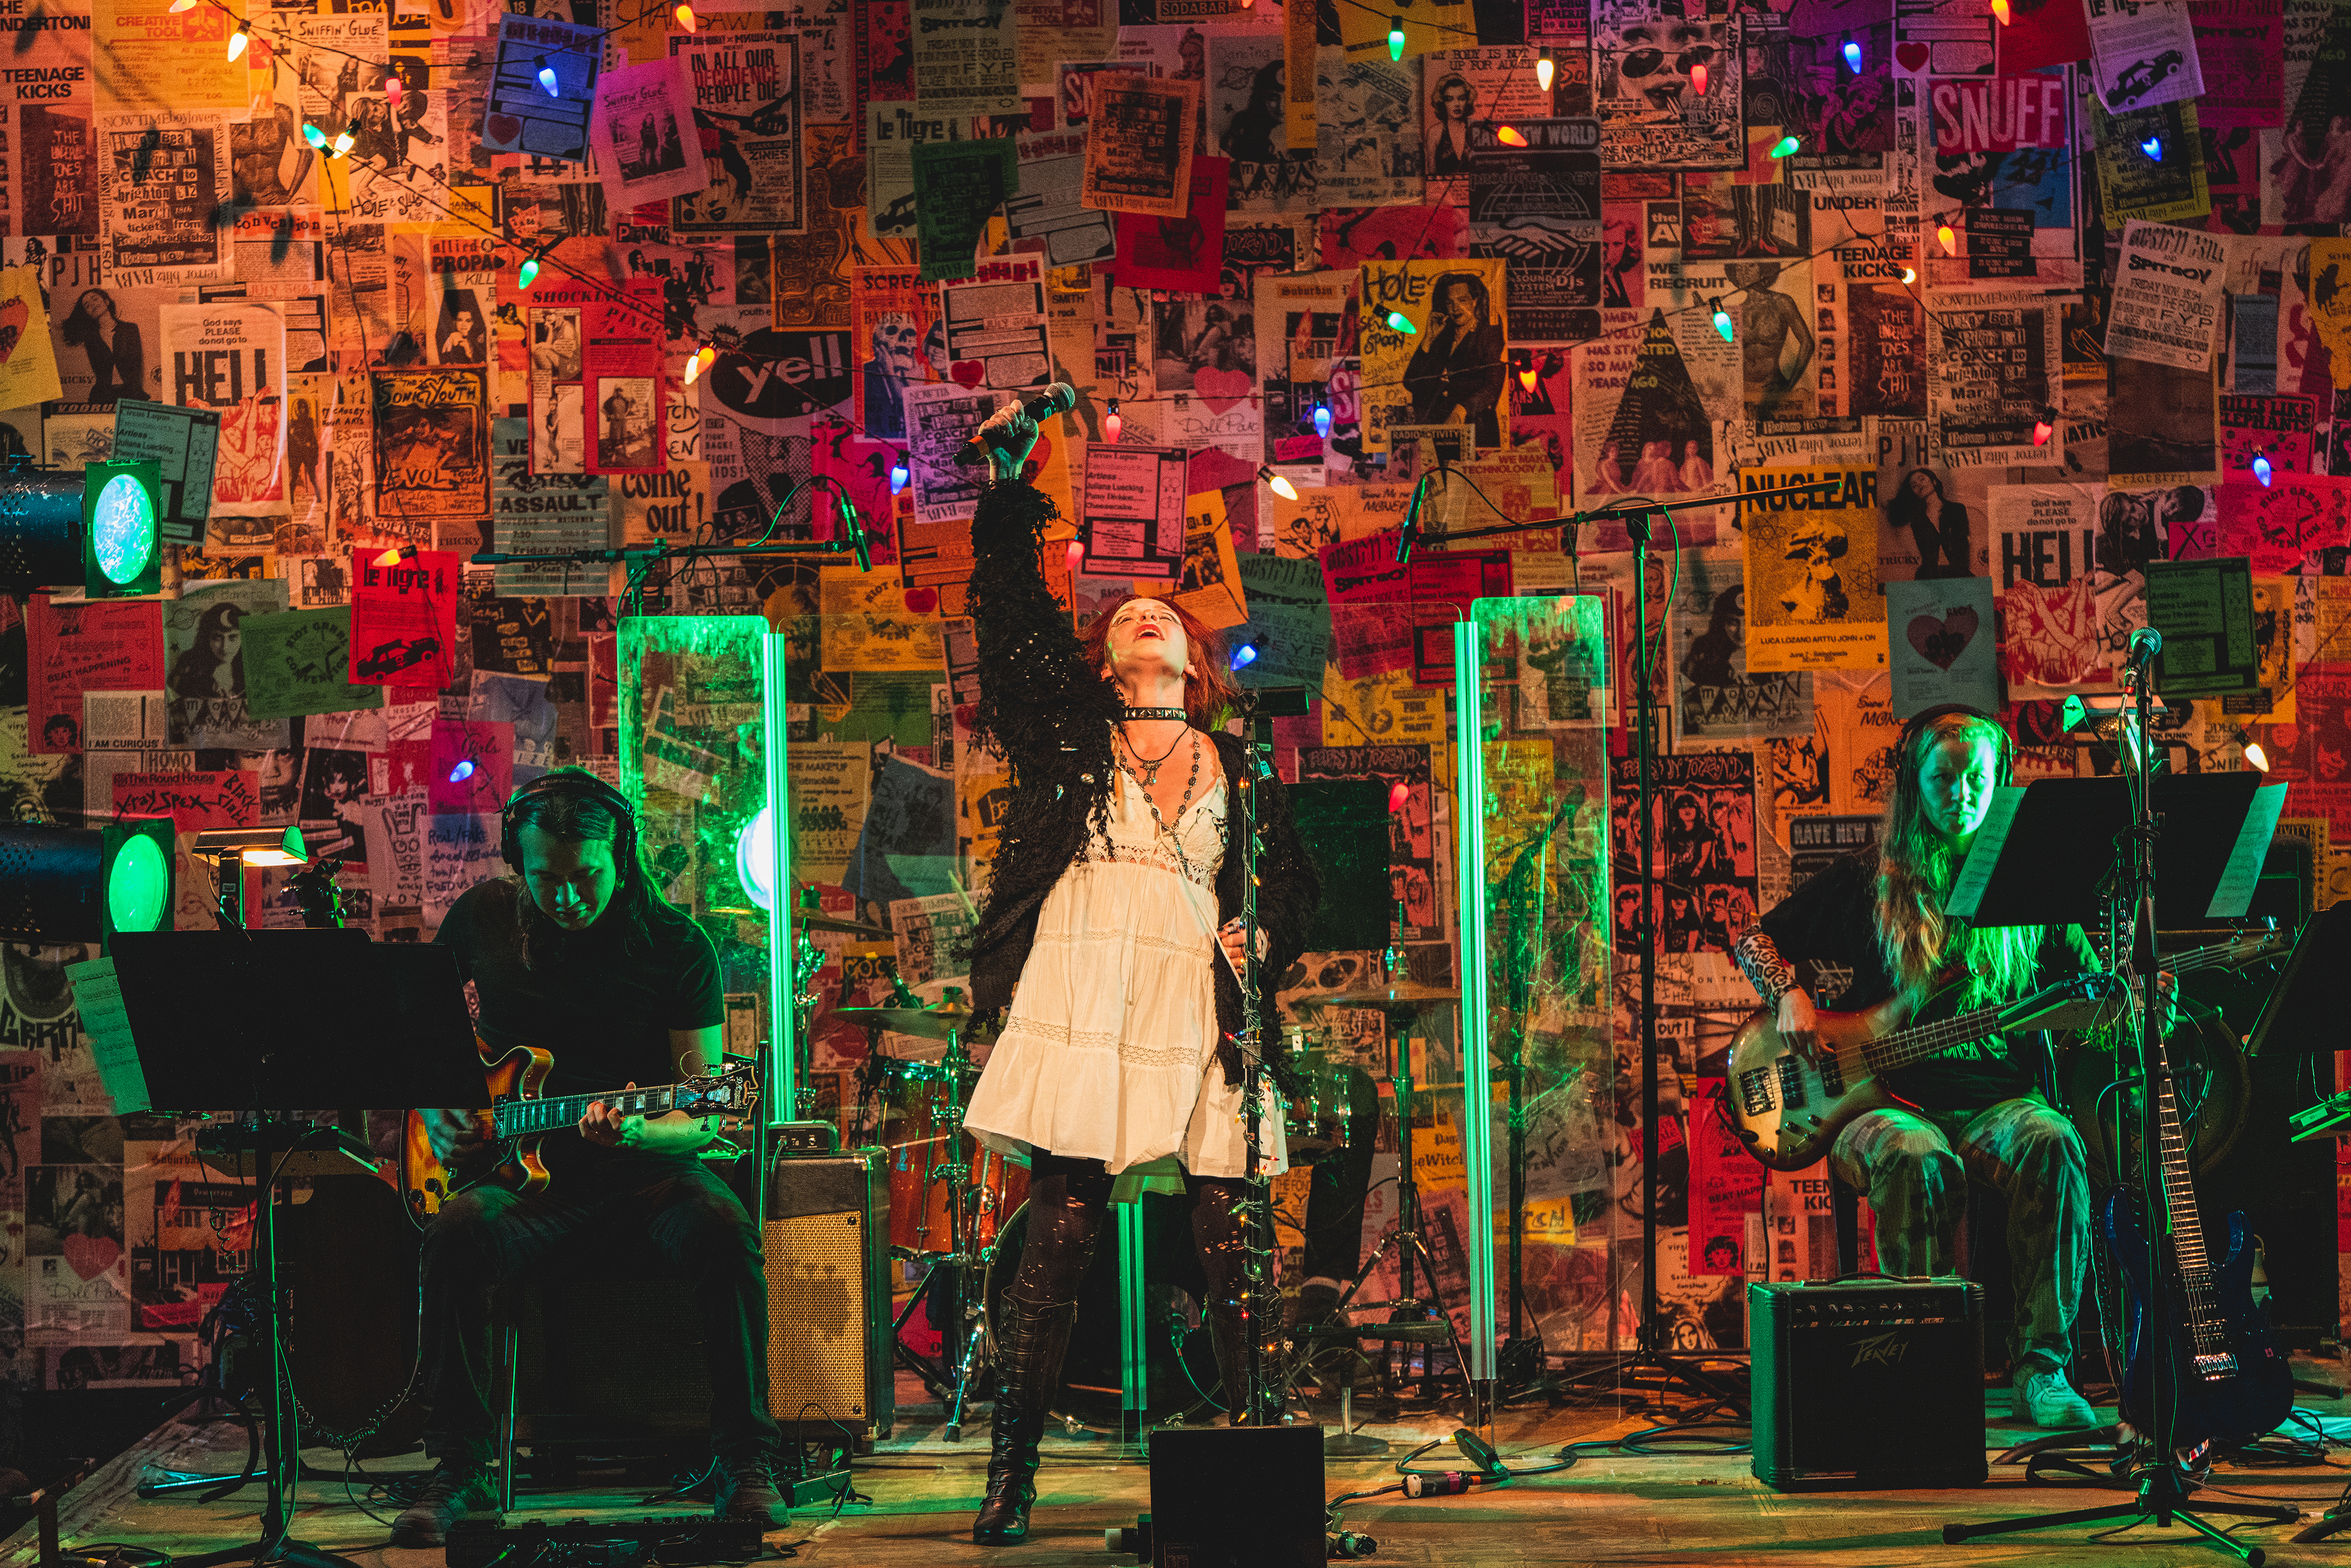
[[518, 1118], [1905, 1046], [2201, 1306]]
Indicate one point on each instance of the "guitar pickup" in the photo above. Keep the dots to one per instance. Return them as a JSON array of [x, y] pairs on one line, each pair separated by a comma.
[[1831, 1075], [1755, 1091]]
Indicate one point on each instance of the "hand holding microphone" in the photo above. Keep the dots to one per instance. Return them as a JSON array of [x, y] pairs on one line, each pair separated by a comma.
[[1003, 442]]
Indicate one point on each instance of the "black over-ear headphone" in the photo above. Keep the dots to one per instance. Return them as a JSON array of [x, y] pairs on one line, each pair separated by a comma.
[[571, 781], [1905, 748]]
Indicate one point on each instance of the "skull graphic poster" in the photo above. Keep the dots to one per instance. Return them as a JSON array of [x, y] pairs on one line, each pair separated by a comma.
[[1813, 602]]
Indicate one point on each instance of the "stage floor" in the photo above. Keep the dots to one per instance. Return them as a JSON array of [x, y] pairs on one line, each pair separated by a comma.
[[1610, 1507]]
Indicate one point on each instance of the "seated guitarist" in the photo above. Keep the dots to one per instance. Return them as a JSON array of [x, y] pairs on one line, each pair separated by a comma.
[[1872, 924], [578, 954]]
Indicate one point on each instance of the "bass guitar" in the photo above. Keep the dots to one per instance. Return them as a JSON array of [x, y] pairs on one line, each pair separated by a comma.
[[505, 1147], [2228, 1375], [1788, 1106]]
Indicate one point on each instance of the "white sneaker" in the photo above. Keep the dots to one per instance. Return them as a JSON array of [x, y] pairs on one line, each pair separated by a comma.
[[2045, 1399]]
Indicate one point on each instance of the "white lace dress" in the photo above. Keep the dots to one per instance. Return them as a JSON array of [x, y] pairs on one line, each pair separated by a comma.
[[1109, 1048]]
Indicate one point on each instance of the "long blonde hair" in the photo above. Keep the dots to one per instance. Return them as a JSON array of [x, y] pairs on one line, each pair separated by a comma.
[[1916, 863]]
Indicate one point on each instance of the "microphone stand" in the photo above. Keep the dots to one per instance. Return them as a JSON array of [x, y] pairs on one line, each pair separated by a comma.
[[1650, 1353]]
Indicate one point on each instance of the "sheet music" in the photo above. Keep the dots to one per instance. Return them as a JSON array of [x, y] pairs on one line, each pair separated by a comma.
[[2235, 894], [1967, 888], [97, 994]]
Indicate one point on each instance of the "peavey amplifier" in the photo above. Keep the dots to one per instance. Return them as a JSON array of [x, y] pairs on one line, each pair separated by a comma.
[[827, 1246], [1867, 1384]]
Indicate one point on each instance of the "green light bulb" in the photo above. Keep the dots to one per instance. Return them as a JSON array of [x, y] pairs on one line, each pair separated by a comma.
[[1399, 322], [1785, 145], [1396, 38]]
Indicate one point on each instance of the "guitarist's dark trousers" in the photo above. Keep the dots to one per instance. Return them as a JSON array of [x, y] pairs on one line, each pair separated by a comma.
[[623, 1206], [1915, 1167]]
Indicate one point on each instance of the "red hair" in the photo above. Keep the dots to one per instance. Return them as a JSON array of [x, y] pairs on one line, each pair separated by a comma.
[[1210, 693]]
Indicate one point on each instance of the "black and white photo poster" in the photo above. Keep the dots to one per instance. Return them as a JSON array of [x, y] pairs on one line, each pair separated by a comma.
[[647, 149]]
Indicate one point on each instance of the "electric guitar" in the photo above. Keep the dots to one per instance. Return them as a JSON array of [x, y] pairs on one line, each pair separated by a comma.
[[1788, 1106], [509, 1154], [2228, 1375]]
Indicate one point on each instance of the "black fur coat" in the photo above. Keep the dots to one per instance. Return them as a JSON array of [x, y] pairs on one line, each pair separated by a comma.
[[1051, 716]]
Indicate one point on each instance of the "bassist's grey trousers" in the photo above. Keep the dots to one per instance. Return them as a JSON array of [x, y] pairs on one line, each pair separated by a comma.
[[1915, 1166]]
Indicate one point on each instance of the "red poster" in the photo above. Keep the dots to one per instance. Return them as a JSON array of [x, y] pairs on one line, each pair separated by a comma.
[[1726, 1186], [2043, 32], [112, 645], [404, 621], [1185, 254], [472, 772], [626, 390], [1998, 114]]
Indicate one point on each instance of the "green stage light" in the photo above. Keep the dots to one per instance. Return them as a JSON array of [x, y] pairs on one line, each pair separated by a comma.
[[97, 527], [85, 885]]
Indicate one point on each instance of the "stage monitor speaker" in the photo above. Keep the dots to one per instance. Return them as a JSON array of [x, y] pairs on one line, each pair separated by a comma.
[[826, 1239], [1867, 1384], [1237, 1497]]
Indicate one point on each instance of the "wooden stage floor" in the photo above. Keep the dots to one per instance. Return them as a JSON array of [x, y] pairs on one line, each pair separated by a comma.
[[1610, 1508]]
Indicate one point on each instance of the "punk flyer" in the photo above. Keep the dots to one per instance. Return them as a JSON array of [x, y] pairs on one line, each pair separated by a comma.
[[2065, 565], [2001, 144], [162, 179], [432, 451], [1703, 851], [1997, 374], [183, 444], [531, 513], [624, 391], [2144, 53], [555, 332], [404, 621], [231, 357], [892, 131], [522, 116], [1367, 147], [647, 147], [1443, 382], [1655, 409], [1247, 124], [967, 57], [1537, 207], [1304, 320], [939, 422], [1716, 697], [204, 650], [1813, 599], [894, 317], [747, 94], [463, 296], [1139, 144], [2243, 45], [995, 322], [1651, 114], [106, 645], [2276, 428], [2167, 302], [49, 181]]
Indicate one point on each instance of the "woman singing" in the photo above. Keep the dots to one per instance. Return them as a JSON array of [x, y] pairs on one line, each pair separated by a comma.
[[1975, 1109], [1113, 903]]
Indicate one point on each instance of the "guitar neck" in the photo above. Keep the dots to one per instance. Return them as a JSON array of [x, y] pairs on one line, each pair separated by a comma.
[[518, 1118], [1905, 1046]]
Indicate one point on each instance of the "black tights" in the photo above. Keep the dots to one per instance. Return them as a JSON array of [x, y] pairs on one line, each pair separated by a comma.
[[1067, 1199]]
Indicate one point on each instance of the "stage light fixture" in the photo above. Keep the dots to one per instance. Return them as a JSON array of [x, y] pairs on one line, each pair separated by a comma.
[[254, 846], [84, 884], [98, 529]]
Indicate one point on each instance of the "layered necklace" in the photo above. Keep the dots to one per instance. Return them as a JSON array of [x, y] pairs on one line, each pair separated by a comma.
[[1151, 765], [1144, 771]]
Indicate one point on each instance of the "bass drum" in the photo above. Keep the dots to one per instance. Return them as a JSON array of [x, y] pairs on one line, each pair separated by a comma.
[[1090, 1392], [2214, 1087]]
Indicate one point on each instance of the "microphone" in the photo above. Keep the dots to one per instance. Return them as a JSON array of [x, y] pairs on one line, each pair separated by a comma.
[[1059, 398], [1409, 533], [854, 526], [2144, 645]]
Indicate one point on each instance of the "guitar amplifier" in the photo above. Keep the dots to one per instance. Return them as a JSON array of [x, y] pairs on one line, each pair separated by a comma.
[[1867, 1384], [826, 1239]]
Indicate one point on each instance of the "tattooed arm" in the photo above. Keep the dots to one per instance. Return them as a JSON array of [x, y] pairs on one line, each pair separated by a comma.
[[1774, 978]]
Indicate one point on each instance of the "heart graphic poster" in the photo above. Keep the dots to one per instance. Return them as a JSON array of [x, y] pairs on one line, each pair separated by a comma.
[[1941, 639]]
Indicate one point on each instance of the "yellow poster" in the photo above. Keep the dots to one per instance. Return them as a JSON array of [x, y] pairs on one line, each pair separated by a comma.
[[1433, 337], [1813, 596]]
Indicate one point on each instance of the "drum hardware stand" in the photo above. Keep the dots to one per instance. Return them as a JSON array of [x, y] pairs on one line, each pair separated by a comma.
[[2163, 1487]]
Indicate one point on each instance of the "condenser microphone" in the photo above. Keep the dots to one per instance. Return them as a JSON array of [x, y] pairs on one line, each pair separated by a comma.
[[1059, 398]]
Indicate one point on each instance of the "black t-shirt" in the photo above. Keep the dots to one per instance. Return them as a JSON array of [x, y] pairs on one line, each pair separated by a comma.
[[1827, 930], [602, 1001]]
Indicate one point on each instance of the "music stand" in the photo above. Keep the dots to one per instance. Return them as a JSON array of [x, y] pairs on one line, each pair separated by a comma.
[[2302, 1013], [302, 1020], [2057, 852]]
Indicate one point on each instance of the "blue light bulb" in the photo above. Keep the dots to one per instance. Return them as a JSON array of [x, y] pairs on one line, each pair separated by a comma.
[[898, 476], [462, 771], [1245, 655], [2153, 147], [547, 77], [2261, 470], [1321, 419], [1853, 56]]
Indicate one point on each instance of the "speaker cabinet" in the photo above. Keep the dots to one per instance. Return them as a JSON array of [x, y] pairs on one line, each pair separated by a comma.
[[826, 1238], [1237, 1497], [1868, 1384]]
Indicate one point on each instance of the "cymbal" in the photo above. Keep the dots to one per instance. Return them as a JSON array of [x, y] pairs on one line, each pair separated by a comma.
[[931, 1023], [808, 920], [1404, 996]]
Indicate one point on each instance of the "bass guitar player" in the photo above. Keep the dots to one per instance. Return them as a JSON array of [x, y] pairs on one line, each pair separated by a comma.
[[578, 955], [1873, 927]]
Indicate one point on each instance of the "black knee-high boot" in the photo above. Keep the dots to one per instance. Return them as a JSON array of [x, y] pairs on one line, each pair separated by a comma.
[[1066, 1199], [1220, 1236]]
